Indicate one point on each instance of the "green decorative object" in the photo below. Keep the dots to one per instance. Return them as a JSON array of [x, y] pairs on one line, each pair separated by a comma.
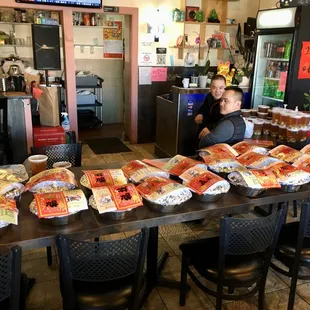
[[203, 70], [213, 17], [307, 101]]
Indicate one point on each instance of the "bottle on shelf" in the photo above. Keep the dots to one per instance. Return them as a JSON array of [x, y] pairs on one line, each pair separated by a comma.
[[266, 90], [288, 47]]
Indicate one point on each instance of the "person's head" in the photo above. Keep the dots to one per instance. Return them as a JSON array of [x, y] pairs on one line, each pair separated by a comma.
[[217, 87], [231, 100]]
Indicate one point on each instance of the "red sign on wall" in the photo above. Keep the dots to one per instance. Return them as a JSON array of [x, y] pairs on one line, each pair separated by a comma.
[[304, 65]]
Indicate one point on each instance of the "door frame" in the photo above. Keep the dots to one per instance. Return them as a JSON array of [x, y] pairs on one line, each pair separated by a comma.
[[69, 60]]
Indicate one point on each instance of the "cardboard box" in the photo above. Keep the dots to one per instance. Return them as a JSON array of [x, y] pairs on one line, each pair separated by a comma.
[[43, 136]]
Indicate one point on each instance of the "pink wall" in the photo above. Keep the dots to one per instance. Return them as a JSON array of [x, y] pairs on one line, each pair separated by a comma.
[[66, 13]]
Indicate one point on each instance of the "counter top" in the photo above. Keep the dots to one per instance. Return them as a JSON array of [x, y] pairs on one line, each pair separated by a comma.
[[15, 95], [196, 90]]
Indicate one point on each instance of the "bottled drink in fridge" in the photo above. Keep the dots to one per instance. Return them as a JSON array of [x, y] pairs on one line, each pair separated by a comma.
[[266, 91], [288, 47]]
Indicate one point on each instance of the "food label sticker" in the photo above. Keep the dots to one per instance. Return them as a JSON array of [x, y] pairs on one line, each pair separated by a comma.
[[132, 167], [202, 182], [8, 211], [266, 178], [173, 162], [99, 178], [182, 166], [104, 200], [51, 204], [125, 196], [250, 179], [76, 200]]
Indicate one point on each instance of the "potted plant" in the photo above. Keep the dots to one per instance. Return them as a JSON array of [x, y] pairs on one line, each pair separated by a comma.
[[243, 75], [203, 74], [307, 102]]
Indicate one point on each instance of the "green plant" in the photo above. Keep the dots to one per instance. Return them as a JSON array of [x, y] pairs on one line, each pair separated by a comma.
[[307, 101], [203, 70], [245, 71]]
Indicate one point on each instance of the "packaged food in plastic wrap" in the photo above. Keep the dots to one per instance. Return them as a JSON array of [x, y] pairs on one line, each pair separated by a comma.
[[243, 147], [8, 212], [52, 180], [222, 149], [115, 198], [254, 178], [58, 204], [226, 165], [163, 191], [306, 149], [11, 190], [204, 182], [303, 163], [13, 173], [178, 164], [285, 153], [100, 178], [137, 171], [256, 161], [289, 175]]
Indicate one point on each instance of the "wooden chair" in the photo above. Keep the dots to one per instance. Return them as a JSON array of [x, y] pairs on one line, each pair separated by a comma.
[[239, 257], [293, 250], [102, 275]]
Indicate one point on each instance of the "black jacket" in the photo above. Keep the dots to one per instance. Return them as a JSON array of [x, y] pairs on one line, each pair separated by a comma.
[[210, 111], [230, 129]]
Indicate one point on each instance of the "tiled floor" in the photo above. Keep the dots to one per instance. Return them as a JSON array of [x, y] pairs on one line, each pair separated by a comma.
[[46, 295]]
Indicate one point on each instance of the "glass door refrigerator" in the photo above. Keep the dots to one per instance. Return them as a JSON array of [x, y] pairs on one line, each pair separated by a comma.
[[281, 73]]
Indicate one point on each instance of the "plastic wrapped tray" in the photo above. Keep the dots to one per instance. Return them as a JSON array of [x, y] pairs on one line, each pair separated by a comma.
[[248, 192], [60, 221], [115, 215], [155, 207], [208, 198], [291, 188]]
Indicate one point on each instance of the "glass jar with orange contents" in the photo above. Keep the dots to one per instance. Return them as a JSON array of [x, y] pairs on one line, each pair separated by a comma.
[[303, 121], [266, 127], [274, 128], [282, 133], [294, 121], [283, 121], [302, 134], [292, 135], [276, 115]]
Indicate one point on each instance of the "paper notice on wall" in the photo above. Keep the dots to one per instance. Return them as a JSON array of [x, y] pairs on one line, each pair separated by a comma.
[[282, 82], [304, 64], [146, 59], [161, 56], [159, 74], [113, 41], [145, 76], [147, 41]]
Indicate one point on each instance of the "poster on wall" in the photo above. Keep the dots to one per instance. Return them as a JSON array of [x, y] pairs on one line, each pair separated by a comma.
[[113, 41], [161, 56], [304, 64], [146, 59]]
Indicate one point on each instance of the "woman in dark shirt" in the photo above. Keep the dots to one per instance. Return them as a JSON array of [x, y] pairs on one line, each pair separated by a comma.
[[209, 113]]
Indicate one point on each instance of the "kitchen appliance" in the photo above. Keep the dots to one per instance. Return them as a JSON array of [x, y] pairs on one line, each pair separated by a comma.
[[94, 4], [17, 83], [14, 70], [281, 73], [4, 83]]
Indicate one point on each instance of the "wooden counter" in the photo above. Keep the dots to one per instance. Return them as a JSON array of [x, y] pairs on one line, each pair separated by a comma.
[[19, 123]]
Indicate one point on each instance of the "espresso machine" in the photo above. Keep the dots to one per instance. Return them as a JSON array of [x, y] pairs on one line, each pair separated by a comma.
[[16, 79]]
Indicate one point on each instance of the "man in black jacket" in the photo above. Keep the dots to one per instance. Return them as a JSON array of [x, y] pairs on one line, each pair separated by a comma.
[[231, 128], [209, 113]]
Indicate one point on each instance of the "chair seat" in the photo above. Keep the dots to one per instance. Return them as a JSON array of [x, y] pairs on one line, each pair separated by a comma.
[[104, 296], [286, 247], [239, 269]]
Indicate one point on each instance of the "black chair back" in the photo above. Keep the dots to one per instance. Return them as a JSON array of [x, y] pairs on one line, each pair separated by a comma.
[[102, 261], [249, 236], [61, 152], [10, 273]]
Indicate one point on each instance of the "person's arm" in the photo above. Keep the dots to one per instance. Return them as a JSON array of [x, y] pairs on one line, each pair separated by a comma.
[[222, 133], [204, 108]]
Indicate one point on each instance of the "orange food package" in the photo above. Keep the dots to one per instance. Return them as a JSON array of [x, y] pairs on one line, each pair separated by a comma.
[[306, 149], [255, 160], [303, 163], [220, 149], [178, 164], [243, 147], [285, 153], [266, 178]]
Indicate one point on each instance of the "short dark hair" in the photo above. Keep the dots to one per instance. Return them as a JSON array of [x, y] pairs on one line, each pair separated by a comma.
[[218, 77], [237, 91]]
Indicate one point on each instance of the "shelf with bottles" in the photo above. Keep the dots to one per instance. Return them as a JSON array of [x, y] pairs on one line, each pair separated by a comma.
[[198, 47], [278, 49], [271, 79], [274, 99], [100, 27]]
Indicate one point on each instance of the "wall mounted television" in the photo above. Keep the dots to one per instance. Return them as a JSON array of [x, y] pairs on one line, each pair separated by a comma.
[[94, 4]]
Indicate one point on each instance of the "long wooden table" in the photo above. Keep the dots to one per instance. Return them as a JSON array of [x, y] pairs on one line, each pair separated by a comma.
[[30, 234]]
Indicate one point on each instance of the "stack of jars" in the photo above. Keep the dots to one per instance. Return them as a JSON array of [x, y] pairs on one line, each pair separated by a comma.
[[289, 125], [283, 124]]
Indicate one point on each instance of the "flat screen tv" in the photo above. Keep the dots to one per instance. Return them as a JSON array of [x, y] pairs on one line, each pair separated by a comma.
[[94, 4]]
